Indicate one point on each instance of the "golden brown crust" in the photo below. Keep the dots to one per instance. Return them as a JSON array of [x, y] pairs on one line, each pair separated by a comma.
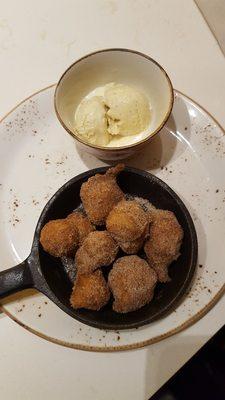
[[132, 283], [128, 223], [163, 245], [100, 193], [98, 250], [59, 238], [134, 246], [90, 291], [82, 223], [115, 170]]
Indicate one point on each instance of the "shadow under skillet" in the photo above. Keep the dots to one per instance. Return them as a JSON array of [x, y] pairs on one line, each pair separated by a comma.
[[19, 296]]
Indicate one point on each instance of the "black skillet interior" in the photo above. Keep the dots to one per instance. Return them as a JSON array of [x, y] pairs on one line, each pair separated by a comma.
[[167, 296]]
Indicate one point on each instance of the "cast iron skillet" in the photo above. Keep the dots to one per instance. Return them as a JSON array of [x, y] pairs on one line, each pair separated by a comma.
[[48, 274]]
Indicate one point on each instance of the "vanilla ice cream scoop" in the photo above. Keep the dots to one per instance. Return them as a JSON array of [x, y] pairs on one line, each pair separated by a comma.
[[91, 122], [112, 115], [128, 110]]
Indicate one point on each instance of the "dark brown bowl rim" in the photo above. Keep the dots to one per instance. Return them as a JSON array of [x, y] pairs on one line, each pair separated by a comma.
[[109, 149]]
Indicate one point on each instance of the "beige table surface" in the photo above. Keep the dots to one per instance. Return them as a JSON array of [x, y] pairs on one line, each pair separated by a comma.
[[38, 40]]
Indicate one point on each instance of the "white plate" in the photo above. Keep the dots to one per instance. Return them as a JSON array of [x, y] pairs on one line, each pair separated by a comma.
[[37, 156]]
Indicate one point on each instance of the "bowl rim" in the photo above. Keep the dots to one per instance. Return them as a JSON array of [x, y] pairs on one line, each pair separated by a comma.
[[117, 148]]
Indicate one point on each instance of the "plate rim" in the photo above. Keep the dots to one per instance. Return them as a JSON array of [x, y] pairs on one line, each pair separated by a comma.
[[146, 342]]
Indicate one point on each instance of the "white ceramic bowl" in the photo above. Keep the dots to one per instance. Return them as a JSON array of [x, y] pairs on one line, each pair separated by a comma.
[[120, 66]]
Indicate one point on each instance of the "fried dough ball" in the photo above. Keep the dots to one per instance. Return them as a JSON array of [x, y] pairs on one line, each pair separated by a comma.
[[134, 246], [59, 238], [132, 283], [82, 223], [90, 291], [128, 223], [146, 206], [98, 250], [100, 193], [163, 245]]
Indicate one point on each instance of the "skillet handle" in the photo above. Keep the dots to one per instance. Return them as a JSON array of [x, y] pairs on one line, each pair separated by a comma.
[[15, 279]]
